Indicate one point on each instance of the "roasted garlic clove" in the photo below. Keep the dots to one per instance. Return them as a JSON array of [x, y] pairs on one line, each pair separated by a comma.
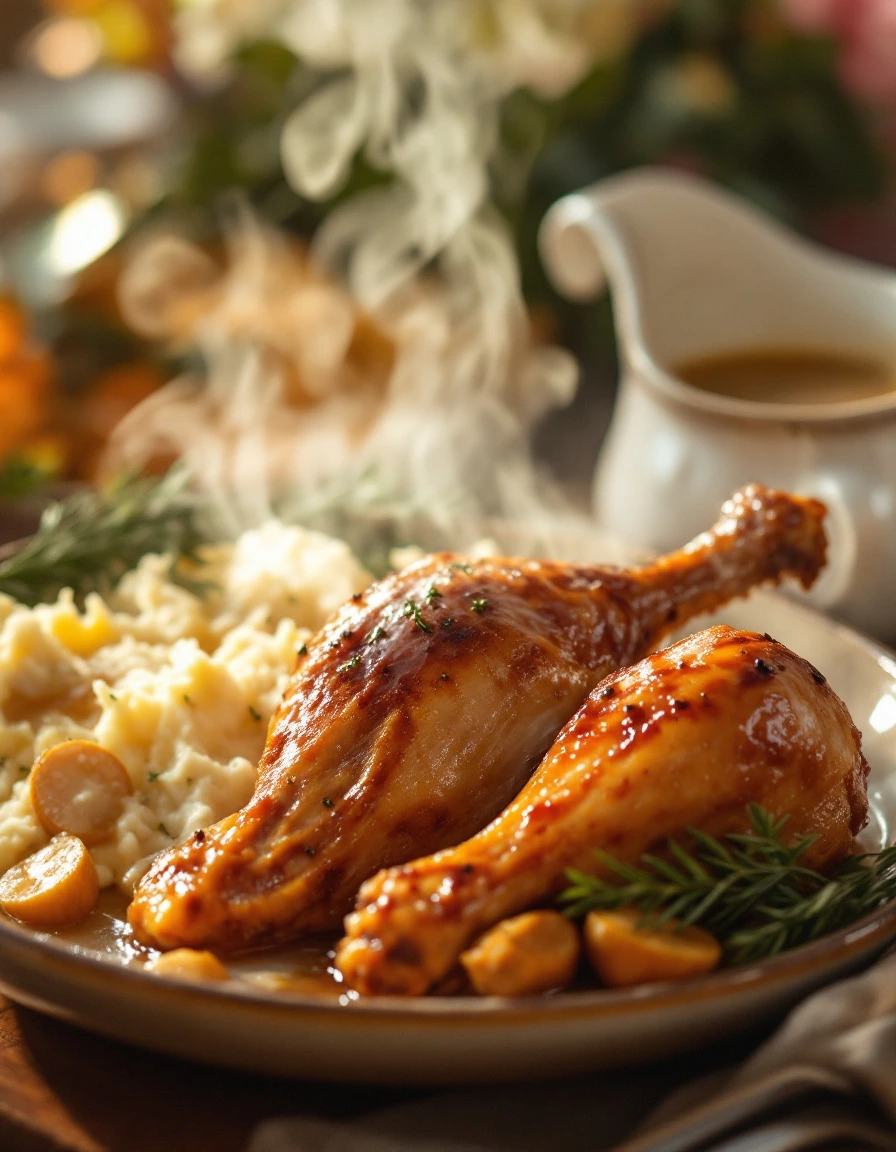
[[623, 951], [188, 964], [524, 956]]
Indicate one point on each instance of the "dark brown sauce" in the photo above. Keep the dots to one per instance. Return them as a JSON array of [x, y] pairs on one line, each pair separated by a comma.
[[303, 967], [790, 376]]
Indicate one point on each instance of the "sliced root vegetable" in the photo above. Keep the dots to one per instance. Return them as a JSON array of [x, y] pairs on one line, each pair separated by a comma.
[[55, 887], [524, 956], [79, 787], [188, 964], [624, 952]]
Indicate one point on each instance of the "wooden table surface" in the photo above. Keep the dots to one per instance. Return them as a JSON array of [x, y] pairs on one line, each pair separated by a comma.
[[65, 1090]]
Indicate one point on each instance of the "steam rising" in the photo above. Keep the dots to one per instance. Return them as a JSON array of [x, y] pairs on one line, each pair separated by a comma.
[[394, 366]]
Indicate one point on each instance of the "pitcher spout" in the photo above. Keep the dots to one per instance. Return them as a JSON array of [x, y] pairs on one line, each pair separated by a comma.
[[694, 270]]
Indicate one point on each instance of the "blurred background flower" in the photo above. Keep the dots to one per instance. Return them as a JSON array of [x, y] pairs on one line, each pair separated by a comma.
[[865, 32]]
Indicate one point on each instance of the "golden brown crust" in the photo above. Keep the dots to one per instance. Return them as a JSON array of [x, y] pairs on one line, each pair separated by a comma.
[[421, 709], [689, 737]]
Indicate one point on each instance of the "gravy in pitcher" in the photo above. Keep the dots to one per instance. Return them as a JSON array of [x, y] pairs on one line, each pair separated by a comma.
[[785, 376]]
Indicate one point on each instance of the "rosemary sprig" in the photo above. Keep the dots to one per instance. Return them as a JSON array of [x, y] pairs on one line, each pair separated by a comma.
[[90, 539], [751, 891]]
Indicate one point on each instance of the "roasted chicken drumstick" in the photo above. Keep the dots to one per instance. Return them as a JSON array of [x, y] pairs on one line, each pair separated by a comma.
[[687, 738], [418, 713]]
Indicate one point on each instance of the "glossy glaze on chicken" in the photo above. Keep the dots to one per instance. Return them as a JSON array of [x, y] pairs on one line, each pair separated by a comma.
[[419, 712], [686, 738]]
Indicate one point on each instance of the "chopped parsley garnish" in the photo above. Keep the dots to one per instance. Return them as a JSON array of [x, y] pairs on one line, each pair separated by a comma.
[[254, 713], [24, 769], [462, 568], [377, 634], [479, 605], [433, 594], [411, 609], [152, 777], [187, 700], [303, 651], [352, 663], [327, 802]]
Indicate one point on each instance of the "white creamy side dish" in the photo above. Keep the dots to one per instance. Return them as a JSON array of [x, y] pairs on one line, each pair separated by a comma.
[[180, 687]]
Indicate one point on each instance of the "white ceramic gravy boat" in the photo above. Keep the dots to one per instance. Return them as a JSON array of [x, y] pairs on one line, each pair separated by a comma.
[[695, 273]]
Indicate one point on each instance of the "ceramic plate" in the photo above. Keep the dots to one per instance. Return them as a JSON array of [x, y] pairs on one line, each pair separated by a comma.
[[87, 978]]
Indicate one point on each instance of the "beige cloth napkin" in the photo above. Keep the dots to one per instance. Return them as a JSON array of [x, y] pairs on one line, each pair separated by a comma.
[[825, 1080]]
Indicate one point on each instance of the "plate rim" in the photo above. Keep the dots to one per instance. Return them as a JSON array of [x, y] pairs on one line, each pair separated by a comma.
[[835, 950]]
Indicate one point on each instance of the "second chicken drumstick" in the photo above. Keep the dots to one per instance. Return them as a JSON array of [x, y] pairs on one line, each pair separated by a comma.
[[687, 738]]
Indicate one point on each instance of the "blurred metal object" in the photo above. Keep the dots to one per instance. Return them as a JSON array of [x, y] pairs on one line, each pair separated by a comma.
[[100, 110], [83, 231], [60, 141], [41, 262]]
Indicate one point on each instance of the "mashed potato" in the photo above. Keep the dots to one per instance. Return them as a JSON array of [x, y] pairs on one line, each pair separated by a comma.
[[180, 687]]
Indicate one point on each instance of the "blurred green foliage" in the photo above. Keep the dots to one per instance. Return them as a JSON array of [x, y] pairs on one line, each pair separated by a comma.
[[20, 477], [721, 87], [753, 107]]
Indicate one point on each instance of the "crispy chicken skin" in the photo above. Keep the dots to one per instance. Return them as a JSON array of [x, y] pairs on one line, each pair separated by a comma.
[[688, 737], [419, 712]]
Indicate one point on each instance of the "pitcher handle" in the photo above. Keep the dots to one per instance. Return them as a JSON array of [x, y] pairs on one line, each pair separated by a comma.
[[570, 240], [590, 237]]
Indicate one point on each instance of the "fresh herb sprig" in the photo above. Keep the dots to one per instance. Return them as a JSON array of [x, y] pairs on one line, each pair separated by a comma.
[[90, 539], [751, 891], [412, 610]]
